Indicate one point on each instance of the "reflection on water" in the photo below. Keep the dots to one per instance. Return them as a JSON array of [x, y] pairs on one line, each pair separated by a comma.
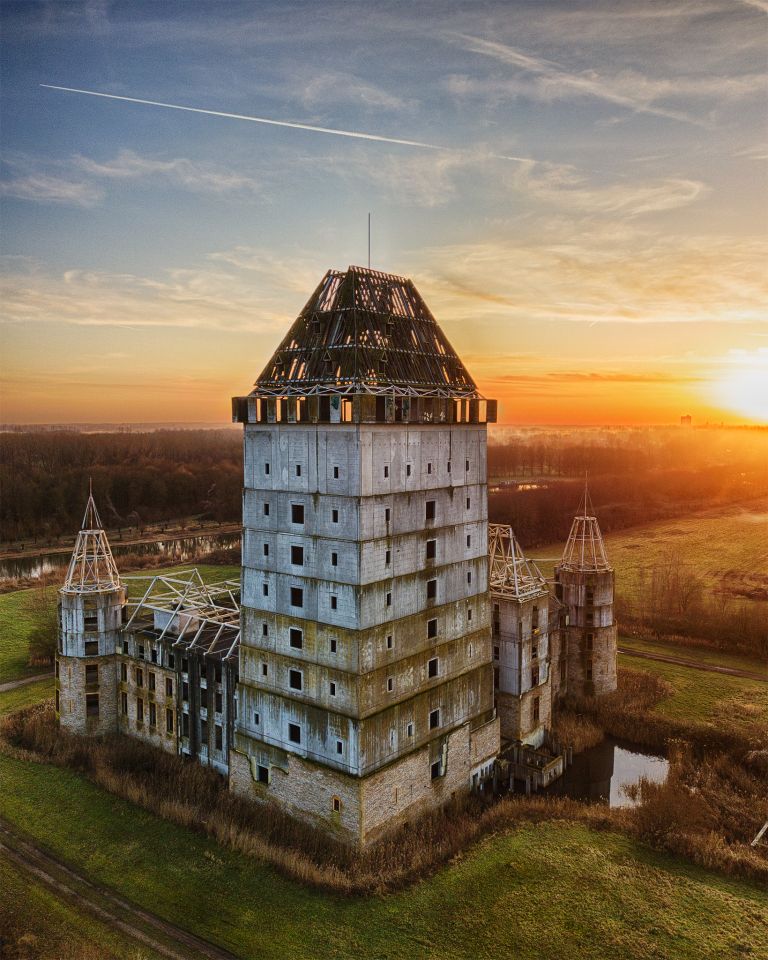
[[601, 773], [178, 550]]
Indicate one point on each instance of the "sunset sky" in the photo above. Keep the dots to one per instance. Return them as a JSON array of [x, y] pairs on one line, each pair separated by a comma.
[[582, 202]]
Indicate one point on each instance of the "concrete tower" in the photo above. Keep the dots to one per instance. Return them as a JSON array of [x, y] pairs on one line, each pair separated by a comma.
[[91, 606], [584, 582], [366, 688], [520, 638]]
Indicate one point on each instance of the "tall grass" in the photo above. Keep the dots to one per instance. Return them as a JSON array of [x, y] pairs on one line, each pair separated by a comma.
[[708, 811]]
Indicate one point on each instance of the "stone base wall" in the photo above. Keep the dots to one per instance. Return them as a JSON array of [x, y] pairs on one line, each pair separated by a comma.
[[516, 714], [373, 805], [602, 658], [72, 690]]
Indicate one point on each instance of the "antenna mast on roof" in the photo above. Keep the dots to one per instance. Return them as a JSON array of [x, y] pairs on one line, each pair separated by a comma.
[[369, 241]]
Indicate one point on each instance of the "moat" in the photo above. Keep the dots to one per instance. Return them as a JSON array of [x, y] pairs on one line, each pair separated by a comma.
[[601, 773]]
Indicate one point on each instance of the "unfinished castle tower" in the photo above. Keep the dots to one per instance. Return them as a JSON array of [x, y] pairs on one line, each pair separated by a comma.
[[520, 639], [584, 582], [90, 619], [365, 686]]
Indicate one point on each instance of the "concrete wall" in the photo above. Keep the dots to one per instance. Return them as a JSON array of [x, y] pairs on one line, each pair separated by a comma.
[[376, 566], [372, 805], [521, 655]]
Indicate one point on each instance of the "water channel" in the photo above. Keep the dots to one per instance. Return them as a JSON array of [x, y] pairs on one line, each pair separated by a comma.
[[601, 773], [177, 550]]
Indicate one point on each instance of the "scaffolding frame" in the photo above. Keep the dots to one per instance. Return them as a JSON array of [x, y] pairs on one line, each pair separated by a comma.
[[511, 574], [212, 610], [92, 568]]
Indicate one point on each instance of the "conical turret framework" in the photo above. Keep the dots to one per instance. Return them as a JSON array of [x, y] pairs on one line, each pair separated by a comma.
[[92, 567], [511, 574], [585, 549]]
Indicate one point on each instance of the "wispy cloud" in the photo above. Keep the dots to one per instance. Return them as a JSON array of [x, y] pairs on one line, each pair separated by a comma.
[[45, 188], [243, 289], [562, 186], [557, 82], [575, 376], [338, 87], [598, 274], [128, 165]]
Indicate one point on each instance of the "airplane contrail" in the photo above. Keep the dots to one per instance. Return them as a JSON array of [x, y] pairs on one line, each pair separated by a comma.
[[354, 134]]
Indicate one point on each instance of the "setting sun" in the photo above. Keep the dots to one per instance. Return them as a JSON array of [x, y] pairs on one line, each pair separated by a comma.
[[744, 389]]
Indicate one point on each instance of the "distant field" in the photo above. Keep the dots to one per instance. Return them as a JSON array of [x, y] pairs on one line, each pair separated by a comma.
[[710, 698], [727, 548], [546, 892], [698, 654]]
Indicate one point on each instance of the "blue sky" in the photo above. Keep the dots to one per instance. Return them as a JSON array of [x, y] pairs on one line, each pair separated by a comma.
[[152, 257]]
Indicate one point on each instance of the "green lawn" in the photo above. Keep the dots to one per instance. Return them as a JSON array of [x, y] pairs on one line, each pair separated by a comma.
[[48, 928], [18, 616], [549, 891], [698, 654], [710, 698], [26, 696]]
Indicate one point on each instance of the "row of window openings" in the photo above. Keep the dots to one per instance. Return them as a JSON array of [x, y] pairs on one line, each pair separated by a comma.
[[294, 729], [296, 677], [297, 555], [267, 469], [297, 594], [297, 511]]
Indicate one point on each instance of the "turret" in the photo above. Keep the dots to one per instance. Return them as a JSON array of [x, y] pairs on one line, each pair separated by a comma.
[[91, 604], [584, 582], [520, 638]]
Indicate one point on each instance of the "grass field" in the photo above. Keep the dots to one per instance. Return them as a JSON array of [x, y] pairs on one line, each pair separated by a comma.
[[548, 891], [709, 698], [726, 547], [41, 925], [698, 654], [25, 696]]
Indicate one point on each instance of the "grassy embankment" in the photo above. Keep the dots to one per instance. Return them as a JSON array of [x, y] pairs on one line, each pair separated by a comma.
[[547, 890]]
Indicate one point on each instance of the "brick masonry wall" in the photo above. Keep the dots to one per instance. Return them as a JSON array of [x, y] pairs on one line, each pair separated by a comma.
[[72, 696]]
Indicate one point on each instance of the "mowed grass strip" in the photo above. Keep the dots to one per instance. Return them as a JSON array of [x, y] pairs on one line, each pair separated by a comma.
[[545, 891], [703, 697]]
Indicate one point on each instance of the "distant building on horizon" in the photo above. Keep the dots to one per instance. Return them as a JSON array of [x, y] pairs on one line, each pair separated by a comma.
[[686, 420]]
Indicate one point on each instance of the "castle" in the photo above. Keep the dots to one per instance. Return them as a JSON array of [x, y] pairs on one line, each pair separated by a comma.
[[375, 658]]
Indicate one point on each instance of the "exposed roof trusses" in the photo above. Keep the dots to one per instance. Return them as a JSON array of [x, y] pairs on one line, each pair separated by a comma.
[[363, 331], [206, 616], [511, 575], [585, 549], [92, 568]]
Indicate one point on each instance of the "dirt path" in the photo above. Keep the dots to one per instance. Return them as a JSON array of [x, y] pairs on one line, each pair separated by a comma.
[[159, 935], [696, 664], [13, 684]]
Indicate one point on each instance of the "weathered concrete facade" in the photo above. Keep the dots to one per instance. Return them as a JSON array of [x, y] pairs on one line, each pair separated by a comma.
[[365, 651], [365, 610]]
